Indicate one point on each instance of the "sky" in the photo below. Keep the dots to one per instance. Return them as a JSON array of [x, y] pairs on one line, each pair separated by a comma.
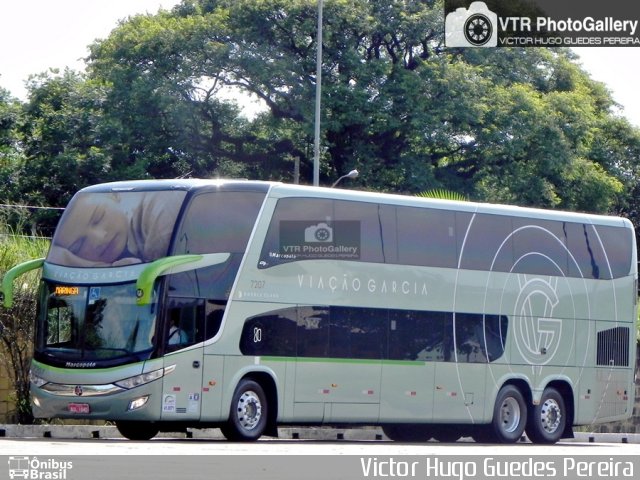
[[36, 35]]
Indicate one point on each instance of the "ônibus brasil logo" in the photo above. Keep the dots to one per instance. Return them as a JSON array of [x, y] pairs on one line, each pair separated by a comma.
[[32, 468]]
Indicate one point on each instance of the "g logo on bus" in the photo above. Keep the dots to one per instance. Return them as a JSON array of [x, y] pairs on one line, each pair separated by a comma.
[[78, 390], [537, 332]]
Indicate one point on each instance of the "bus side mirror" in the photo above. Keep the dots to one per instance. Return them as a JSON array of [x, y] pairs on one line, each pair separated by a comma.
[[6, 294], [162, 266], [174, 264]]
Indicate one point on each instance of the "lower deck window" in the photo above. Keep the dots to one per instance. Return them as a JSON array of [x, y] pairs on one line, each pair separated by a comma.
[[369, 333]]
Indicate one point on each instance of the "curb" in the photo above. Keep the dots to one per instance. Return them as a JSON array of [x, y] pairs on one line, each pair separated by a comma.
[[306, 433], [111, 432]]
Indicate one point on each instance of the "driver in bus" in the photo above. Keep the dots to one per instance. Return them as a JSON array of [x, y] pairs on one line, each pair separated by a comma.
[[176, 336], [108, 229]]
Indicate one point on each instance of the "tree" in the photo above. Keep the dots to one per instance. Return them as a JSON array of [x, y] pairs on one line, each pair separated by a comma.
[[62, 143], [10, 153], [16, 323], [62, 136], [162, 73], [615, 146], [508, 125], [524, 126]]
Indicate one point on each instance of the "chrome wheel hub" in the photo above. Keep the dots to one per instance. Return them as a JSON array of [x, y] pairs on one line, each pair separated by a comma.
[[249, 410], [550, 415], [510, 415]]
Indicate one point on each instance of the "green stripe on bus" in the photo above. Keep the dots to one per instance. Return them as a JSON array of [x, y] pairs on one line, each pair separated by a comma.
[[343, 360]]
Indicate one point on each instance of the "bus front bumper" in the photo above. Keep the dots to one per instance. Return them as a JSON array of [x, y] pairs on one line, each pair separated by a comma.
[[97, 402]]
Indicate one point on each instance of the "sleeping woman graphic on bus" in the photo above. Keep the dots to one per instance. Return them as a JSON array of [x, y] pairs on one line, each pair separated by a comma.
[[114, 229]]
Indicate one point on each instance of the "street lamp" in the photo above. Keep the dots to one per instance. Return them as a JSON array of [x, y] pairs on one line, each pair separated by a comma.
[[351, 174], [316, 134]]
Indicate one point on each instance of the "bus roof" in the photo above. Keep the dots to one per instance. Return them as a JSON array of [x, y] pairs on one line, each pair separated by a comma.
[[286, 190], [281, 190], [176, 184]]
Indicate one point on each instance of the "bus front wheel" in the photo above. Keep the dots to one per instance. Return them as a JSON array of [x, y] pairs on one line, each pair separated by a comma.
[[509, 415], [548, 418], [137, 430], [408, 432], [248, 413]]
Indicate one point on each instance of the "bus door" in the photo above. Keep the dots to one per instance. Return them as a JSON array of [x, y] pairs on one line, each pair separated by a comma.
[[339, 364], [415, 345], [459, 392], [460, 380], [183, 336]]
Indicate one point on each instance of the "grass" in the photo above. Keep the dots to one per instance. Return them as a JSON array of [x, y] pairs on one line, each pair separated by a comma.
[[17, 332], [15, 249]]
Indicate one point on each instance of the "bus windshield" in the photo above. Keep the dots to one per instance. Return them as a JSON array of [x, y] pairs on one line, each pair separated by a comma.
[[104, 229], [94, 323]]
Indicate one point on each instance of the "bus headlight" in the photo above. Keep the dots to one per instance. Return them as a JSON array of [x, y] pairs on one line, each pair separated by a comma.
[[141, 379], [36, 380], [144, 378], [138, 403]]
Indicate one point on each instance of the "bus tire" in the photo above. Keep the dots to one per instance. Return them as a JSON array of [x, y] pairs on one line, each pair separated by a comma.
[[137, 430], [446, 433], [402, 432], [248, 413], [484, 434], [509, 415], [547, 419]]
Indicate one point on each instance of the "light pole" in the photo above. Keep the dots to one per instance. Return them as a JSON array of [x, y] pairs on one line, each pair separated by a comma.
[[316, 136], [351, 174]]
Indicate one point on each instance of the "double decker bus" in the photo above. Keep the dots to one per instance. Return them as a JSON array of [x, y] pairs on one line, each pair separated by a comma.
[[243, 305]]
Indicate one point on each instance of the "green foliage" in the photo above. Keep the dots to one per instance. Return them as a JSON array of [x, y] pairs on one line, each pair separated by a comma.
[[524, 126], [10, 153], [61, 138], [443, 195], [16, 338]]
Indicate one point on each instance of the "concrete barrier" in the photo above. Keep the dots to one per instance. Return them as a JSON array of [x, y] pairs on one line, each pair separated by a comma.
[[305, 433]]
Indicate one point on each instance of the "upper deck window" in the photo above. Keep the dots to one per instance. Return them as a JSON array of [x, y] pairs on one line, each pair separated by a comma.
[[219, 222], [214, 222], [435, 237]]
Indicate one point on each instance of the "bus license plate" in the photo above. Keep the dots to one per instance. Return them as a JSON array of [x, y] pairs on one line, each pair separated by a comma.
[[79, 408]]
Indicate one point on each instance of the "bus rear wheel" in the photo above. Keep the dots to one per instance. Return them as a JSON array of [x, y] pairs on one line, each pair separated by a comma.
[[248, 413], [509, 416], [548, 419], [137, 430]]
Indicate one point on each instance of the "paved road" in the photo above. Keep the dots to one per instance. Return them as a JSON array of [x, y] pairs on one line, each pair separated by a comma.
[[177, 458], [199, 446]]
